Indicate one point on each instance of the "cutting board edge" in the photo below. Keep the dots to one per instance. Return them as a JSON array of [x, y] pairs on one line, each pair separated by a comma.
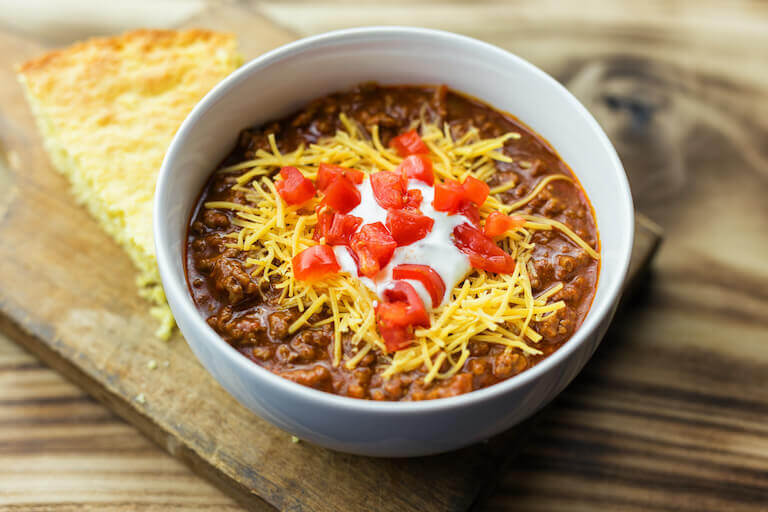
[[13, 326]]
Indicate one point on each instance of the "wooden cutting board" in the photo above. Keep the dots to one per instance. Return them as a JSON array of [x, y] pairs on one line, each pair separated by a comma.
[[67, 294]]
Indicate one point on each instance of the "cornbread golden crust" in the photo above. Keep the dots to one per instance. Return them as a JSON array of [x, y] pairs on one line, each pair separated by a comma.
[[108, 108]]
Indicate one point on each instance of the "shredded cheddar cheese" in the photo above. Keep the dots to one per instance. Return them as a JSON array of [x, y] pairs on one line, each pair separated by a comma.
[[487, 307]]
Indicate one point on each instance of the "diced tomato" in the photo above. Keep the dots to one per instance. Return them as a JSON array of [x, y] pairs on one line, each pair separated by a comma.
[[396, 337], [448, 196], [483, 253], [497, 223], [294, 187], [373, 246], [470, 211], [326, 173], [367, 264], [465, 198], [354, 175], [475, 190], [315, 263], [409, 143], [407, 227], [341, 194], [342, 228], [401, 310], [388, 189], [394, 313], [426, 275], [418, 167], [415, 313], [324, 222], [413, 199]]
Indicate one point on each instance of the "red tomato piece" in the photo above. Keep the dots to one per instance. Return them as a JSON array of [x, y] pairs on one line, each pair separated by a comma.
[[342, 228], [448, 196], [407, 227], [464, 198], [326, 173], [396, 337], [324, 222], [388, 189], [314, 263], [367, 264], [475, 190], [426, 275], [394, 313], [418, 167], [483, 253], [497, 223], [470, 211], [294, 187], [401, 310], [354, 175], [409, 143], [373, 246], [403, 293], [413, 199], [341, 195]]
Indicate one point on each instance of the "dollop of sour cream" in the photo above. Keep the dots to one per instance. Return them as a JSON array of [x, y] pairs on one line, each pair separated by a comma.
[[436, 250]]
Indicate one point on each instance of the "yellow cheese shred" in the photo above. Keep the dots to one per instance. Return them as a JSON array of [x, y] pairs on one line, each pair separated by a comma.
[[336, 328], [536, 190], [485, 307]]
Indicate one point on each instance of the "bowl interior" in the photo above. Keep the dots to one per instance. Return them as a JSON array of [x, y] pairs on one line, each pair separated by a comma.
[[283, 80]]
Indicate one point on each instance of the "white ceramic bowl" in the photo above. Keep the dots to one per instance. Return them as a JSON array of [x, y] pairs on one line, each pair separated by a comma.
[[283, 80]]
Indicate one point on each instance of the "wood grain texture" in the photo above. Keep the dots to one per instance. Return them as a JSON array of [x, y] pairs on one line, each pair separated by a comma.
[[60, 450], [670, 413], [71, 301], [68, 296]]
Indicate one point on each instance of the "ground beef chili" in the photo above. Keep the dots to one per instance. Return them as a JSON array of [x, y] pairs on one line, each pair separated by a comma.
[[246, 313]]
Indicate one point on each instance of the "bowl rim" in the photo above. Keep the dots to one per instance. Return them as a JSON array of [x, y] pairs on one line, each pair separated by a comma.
[[175, 289]]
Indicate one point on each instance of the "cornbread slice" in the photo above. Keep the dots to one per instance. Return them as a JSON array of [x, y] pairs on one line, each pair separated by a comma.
[[107, 109]]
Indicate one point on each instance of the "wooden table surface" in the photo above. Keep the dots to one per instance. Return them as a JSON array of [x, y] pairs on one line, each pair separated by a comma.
[[680, 86]]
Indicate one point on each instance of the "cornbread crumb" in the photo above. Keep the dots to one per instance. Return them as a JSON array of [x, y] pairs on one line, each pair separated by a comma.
[[107, 109]]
